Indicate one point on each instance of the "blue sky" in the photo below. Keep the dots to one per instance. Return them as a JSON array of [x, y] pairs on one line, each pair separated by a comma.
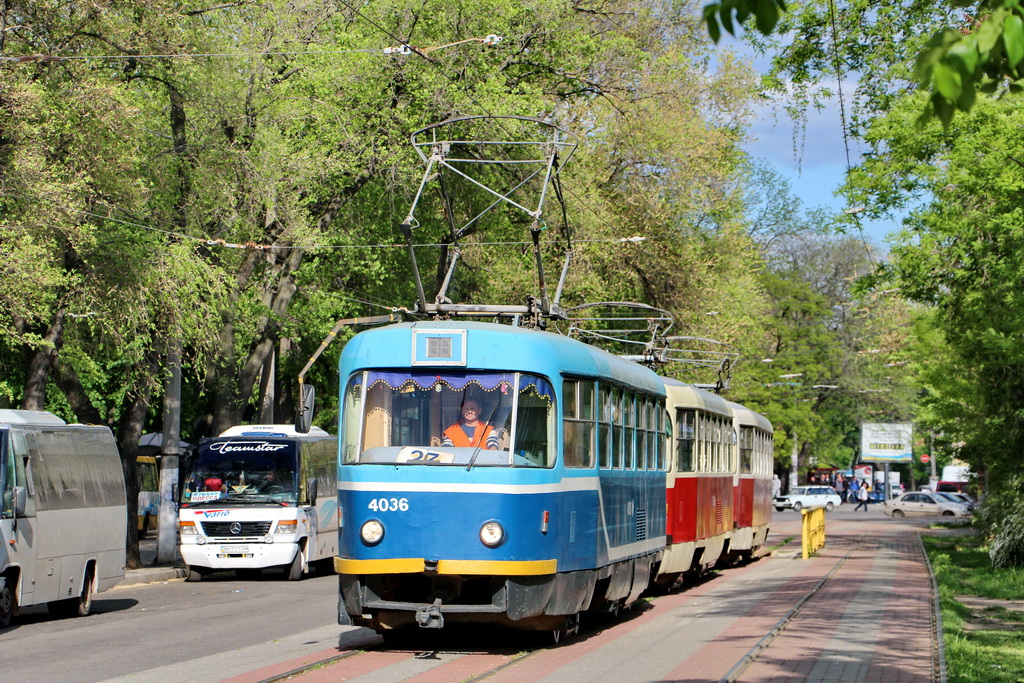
[[818, 165]]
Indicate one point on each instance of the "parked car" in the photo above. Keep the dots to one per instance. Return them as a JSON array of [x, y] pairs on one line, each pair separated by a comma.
[[924, 504], [800, 497], [961, 498]]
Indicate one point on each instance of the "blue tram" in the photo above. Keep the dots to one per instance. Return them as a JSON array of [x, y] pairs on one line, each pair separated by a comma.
[[491, 473]]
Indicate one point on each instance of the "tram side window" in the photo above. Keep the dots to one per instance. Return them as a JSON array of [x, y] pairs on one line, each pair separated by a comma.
[[605, 429], [629, 430], [747, 449], [665, 439], [686, 440], [655, 451], [617, 458], [578, 423], [642, 455]]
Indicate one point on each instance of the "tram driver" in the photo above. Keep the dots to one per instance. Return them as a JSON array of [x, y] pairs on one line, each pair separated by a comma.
[[470, 431]]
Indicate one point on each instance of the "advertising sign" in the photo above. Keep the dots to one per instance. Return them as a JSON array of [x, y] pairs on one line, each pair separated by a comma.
[[886, 442]]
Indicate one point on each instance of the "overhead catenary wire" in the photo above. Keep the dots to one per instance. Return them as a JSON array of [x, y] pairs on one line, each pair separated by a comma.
[[218, 242], [403, 49]]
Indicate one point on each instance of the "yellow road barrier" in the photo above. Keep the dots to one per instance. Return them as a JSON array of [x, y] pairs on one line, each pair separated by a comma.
[[812, 530]]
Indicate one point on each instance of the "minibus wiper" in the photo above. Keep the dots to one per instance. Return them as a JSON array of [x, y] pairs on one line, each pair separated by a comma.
[[254, 499]]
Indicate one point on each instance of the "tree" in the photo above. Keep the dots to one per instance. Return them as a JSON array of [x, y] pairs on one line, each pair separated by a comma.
[[961, 253], [969, 51]]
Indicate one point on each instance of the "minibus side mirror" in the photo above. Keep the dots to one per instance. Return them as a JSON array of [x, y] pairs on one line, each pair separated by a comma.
[[20, 501], [311, 490]]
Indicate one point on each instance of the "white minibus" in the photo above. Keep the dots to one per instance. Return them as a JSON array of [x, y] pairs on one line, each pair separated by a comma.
[[260, 496]]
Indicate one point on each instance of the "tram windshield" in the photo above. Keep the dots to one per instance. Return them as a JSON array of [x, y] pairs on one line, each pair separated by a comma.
[[449, 418]]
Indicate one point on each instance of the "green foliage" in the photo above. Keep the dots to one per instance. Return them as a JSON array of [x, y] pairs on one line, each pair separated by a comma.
[[729, 14], [1002, 519], [962, 254]]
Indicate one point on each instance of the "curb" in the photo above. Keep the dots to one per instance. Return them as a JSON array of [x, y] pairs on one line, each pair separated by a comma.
[[134, 577]]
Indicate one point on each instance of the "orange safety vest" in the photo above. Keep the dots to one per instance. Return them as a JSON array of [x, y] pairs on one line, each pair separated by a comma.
[[459, 438]]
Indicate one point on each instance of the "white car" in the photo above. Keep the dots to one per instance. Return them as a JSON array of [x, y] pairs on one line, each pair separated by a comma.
[[801, 497], [924, 504]]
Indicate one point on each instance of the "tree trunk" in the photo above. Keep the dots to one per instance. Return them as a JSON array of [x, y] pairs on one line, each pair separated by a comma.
[[67, 379], [128, 442], [40, 363]]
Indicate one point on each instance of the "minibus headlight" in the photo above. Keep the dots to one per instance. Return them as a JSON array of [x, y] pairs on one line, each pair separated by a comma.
[[286, 526], [372, 532], [187, 528], [491, 534]]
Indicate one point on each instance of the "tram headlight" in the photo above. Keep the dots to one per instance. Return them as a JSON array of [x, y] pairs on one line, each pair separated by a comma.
[[492, 534], [372, 532]]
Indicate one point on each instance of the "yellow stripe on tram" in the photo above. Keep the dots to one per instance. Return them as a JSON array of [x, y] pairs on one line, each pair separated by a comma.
[[401, 565], [497, 567], [415, 565]]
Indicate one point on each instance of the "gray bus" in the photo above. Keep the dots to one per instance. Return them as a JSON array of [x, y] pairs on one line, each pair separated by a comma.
[[63, 518]]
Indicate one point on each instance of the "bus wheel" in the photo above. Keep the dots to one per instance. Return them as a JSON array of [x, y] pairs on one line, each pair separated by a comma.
[[85, 599], [6, 602], [193, 574], [74, 607], [295, 568]]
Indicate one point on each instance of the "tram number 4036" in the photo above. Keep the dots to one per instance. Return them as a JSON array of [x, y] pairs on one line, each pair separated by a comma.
[[389, 504]]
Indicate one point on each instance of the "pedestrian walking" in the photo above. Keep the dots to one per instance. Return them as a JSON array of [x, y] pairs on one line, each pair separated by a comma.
[[862, 497]]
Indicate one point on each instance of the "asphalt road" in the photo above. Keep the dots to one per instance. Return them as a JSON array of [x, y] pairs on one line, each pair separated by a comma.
[[138, 628], [224, 626]]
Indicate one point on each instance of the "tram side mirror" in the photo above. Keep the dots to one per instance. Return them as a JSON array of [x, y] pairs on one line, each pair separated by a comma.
[[20, 501], [311, 489], [304, 417]]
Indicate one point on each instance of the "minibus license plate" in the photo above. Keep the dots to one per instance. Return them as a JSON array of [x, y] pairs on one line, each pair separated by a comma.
[[234, 549]]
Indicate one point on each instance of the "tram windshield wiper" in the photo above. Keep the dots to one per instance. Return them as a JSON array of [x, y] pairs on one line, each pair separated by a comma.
[[472, 460]]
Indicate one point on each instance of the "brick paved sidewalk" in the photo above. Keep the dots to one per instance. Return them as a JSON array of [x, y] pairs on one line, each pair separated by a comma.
[[872, 620]]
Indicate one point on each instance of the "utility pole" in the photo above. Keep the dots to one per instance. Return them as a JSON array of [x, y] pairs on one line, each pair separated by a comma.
[[793, 464], [933, 482], [167, 535]]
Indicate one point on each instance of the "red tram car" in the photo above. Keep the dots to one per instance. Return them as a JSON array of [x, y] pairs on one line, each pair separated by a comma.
[[752, 495], [718, 483]]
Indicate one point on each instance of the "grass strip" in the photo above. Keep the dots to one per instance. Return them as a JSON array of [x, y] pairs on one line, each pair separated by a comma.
[[982, 610]]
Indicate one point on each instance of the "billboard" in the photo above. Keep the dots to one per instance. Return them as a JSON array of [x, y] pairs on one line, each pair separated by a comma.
[[886, 442]]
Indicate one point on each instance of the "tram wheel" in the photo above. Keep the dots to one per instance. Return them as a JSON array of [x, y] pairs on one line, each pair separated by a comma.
[[572, 627]]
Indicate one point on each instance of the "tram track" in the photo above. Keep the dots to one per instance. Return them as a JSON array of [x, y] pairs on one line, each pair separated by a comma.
[[354, 659], [751, 656], [851, 575]]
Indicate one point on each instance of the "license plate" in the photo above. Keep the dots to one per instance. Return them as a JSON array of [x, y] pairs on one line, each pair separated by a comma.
[[234, 549]]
